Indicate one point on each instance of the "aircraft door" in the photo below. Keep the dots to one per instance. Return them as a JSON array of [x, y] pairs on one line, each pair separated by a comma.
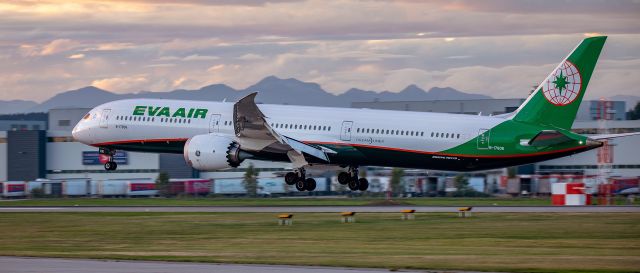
[[214, 123], [104, 118], [346, 130]]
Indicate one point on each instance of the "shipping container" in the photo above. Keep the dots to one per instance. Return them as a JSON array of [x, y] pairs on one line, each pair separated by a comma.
[[477, 183], [112, 187], [14, 189], [621, 184], [199, 187], [378, 183], [77, 187], [52, 188], [544, 185], [34, 185], [269, 186], [232, 186], [141, 188], [513, 186]]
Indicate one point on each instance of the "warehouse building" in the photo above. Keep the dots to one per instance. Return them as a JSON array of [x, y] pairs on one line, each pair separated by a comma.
[[53, 154]]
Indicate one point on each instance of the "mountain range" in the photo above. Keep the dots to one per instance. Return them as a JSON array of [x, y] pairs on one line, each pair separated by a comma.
[[272, 90]]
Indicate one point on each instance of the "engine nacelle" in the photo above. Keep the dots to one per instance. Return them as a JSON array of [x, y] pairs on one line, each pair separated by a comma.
[[212, 152]]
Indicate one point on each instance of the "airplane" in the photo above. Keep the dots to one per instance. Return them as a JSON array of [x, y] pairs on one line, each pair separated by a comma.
[[220, 135]]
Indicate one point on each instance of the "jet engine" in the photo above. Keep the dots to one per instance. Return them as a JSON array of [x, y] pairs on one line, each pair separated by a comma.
[[213, 152]]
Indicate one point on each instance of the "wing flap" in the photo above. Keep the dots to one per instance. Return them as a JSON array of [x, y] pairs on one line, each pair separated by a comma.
[[250, 123], [304, 148]]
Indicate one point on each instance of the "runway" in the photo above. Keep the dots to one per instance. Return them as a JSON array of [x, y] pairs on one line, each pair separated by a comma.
[[326, 209], [54, 265]]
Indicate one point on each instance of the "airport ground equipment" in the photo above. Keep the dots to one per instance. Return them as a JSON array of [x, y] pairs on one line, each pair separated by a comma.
[[464, 212], [348, 217], [285, 219], [408, 214]]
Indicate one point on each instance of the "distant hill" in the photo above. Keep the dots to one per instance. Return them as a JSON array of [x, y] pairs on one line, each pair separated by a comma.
[[272, 90], [84, 97], [16, 106]]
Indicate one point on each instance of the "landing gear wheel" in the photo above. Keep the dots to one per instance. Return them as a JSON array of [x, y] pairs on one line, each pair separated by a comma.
[[353, 184], [343, 178], [300, 185], [110, 166], [363, 184], [310, 184], [290, 178]]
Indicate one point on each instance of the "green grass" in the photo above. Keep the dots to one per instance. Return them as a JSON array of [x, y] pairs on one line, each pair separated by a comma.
[[528, 242], [221, 201]]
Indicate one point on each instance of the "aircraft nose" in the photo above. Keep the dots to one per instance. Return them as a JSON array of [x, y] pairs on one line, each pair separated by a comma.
[[79, 133]]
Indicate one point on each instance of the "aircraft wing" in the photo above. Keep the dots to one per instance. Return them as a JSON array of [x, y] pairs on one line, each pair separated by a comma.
[[251, 123], [610, 136]]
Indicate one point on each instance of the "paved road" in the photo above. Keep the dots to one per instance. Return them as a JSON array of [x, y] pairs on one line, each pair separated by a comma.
[[301, 209], [53, 265]]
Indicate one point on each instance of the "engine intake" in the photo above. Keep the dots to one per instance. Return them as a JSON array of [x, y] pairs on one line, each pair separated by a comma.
[[213, 152]]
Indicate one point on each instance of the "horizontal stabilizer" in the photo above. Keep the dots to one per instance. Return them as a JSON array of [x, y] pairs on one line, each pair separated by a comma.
[[609, 136], [549, 138]]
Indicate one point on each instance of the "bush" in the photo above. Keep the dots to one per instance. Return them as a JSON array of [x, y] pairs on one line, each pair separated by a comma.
[[38, 193]]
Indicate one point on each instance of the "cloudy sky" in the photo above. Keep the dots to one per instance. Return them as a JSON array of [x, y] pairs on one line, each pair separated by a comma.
[[496, 47]]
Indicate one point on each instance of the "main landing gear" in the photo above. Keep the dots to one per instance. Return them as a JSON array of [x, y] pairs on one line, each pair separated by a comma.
[[351, 178], [300, 180], [110, 165]]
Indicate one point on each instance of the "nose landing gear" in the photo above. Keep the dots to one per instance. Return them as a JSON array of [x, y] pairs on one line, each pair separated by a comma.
[[110, 165]]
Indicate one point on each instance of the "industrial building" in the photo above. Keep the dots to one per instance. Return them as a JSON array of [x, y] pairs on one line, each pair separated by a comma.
[[28, 152]]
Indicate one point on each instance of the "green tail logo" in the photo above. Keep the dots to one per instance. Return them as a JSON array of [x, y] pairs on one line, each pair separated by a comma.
[[557, 99]]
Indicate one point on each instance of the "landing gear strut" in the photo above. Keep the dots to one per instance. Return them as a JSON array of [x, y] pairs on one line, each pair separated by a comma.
[[110, 165], [351, 179], [300, 180]]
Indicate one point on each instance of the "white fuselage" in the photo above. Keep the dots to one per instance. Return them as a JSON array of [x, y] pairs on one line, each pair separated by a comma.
[[114, 122]]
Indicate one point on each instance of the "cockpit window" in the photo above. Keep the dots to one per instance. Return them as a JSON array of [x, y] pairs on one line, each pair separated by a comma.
[[87, 116]]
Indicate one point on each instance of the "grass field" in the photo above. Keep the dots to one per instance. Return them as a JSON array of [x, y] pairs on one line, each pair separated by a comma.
[[296, 201], [359, 201], [531, 242]]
